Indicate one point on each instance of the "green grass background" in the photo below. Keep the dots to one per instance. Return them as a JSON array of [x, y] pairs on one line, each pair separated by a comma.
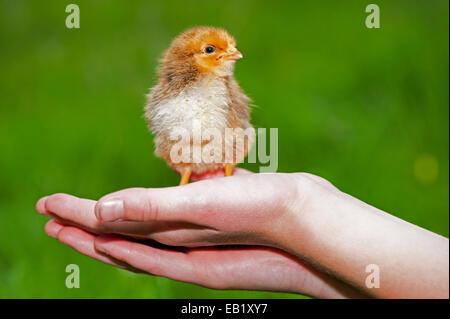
[[360, 107]]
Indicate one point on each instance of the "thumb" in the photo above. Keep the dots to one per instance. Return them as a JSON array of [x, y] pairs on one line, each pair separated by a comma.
[[141, 204], [187, 203], [197, 203]]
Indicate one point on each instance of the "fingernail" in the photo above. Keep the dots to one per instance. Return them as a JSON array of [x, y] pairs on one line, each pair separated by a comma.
[[111, 210], [40, 205]]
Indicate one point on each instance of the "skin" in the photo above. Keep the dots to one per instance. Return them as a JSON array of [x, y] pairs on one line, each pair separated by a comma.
[[283, 232]]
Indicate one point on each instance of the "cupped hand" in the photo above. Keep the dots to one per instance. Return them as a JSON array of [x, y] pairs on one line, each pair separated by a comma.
[[246, 209]]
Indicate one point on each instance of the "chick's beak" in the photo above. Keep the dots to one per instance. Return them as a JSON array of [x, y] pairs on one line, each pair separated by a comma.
[[234, 55]]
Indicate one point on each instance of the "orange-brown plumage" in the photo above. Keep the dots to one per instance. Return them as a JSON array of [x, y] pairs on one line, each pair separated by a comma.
[[196, 85]]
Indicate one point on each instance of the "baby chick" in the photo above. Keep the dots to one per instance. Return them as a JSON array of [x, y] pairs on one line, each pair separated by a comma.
[[196, 85]]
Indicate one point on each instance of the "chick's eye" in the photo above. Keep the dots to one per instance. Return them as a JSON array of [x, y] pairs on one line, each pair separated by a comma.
[[210, 49]]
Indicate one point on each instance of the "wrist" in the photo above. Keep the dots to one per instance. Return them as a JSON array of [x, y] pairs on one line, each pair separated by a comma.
[[296, 215]]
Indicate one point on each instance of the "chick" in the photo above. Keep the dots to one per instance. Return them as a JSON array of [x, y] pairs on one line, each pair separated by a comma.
[[196, 85]]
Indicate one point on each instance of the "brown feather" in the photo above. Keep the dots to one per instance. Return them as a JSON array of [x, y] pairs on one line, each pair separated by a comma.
[[184, 66]]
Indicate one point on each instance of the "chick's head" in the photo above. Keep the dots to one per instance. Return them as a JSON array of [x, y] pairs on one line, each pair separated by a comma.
[[207, 49]]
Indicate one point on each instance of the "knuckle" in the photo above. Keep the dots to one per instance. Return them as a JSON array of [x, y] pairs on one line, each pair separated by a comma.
[[64, 235], [211, 275], [307, 182], [119, 194], [148, 213], [314, 179], [303, 177], [149, 209], [202, 275]]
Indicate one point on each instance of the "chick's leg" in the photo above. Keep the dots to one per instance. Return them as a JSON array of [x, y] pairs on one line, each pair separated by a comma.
[[185, 176], [229, 169]]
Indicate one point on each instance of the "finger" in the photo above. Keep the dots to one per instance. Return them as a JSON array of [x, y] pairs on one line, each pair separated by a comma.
[[168, 263], [193, 266], [213, 268], [81, 241], [52, 228], [197, 202], [40, 205], [70, 208], [169, 233], [228, 268]]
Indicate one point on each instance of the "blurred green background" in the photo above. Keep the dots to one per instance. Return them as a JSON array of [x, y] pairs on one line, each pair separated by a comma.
[[367, 109]]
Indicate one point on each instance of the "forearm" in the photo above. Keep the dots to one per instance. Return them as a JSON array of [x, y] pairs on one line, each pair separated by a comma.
[[344, 235]]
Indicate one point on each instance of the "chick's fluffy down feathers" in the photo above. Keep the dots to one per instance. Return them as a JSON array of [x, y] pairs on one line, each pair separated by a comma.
[[195, 88]]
